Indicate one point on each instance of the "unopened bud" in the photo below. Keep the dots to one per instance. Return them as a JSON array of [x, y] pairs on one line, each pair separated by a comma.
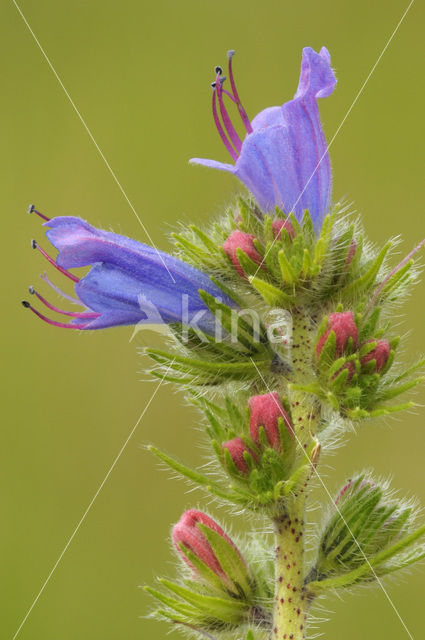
[[245, 242], [266, 410], [279, 224], [237, 448], [380, 354], [186, 534], [344, 327]]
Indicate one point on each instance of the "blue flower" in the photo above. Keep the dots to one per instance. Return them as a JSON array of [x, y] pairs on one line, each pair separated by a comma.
[[129, 282], [283, 159]]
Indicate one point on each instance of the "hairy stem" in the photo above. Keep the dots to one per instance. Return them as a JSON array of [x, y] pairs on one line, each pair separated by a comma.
[[291, 601]]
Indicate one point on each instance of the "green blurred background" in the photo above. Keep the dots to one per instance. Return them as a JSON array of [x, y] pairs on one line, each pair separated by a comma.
[[140, 72]]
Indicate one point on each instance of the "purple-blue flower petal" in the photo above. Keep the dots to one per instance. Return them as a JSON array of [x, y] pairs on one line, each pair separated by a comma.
[[284, 162], [79, 244], [129, 282]]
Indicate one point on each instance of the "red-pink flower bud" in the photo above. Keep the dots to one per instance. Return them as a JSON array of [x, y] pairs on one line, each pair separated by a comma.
[[380, 354], [244, 241], [236, 448], [187, 533], [266, 410], [279, 224], [344, 326]]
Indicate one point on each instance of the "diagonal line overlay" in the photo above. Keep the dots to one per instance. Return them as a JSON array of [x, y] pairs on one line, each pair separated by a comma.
[[341, 516], [83, 122], [99, 489], [359, 93]]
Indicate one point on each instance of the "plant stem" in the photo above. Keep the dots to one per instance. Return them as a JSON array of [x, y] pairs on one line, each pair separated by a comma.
[[291, 601]]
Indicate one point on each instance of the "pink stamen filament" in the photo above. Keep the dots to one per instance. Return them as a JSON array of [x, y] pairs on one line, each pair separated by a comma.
[[54, 263], [62, 325], [32, 209], [220, 129], [242, 111], [72, 314], [231, 131]]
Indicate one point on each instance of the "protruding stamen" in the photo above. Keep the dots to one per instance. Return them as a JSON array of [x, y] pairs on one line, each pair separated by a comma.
[[44, 277], [234, 138], [218, 70], [220, 129], [62, 325], [32, 209], [241, 110], [72, 314], [66, 273]]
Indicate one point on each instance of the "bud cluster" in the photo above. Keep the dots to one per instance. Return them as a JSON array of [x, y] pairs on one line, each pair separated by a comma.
[[366, 534], [353, 358]]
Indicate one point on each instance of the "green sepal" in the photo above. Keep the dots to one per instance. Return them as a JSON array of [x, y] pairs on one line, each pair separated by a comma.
[[288, 274], [196, 477], [249, 267], [271, 295], [230, 561], [228, 610], [366, 571], [327, 354], [204, 572], [208, 243], [368, 278]]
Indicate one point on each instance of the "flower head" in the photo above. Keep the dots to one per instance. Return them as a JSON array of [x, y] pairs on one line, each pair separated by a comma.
[[129, 282], [283, 158]]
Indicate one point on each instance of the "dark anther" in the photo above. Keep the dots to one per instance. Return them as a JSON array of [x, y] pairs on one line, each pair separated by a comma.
[[33, 244], [25, 304], [218, 70], [30, 208], [31, 290], [214, 84]]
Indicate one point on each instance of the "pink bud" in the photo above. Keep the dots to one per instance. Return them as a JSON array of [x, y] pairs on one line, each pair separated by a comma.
[[265, 412], [236, 448], [344, 326], [380, 353], [279, 224], [187, 533], [244, 241]]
